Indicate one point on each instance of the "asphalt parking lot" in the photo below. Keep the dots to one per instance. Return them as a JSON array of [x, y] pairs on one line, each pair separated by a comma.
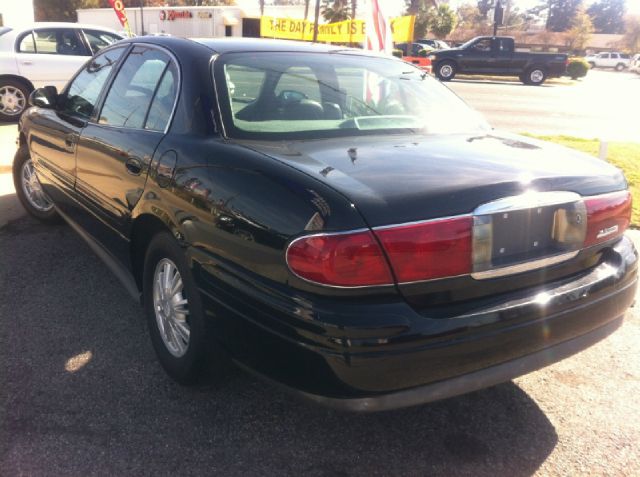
[[81, 393]]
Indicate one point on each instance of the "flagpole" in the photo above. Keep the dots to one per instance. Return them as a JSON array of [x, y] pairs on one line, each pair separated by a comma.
[[141, 17], [315, 22]]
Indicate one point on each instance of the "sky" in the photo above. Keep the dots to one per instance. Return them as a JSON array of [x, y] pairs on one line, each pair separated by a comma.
[[633, 6]]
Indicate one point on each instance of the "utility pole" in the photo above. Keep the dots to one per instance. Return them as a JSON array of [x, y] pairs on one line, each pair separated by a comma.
[[141, 17], [315, 22], [498, 15]]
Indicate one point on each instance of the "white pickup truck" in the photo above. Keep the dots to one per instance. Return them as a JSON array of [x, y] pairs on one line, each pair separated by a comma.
[[618, 61], [44, 54]]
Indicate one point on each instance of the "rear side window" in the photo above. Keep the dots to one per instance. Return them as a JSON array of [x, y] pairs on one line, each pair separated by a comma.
[[163, 101], [100, 39], [84, 90], [60, 41], [133, 89], [27, 44]]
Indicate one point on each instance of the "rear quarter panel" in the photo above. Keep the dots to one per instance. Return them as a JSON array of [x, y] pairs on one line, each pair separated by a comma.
[[238, 209]]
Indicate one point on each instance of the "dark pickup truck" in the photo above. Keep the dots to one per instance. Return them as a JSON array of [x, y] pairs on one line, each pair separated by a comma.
[[496, 55]]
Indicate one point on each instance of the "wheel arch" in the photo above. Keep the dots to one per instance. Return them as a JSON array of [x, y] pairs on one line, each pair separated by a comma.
[[145, 227], [18, 78]]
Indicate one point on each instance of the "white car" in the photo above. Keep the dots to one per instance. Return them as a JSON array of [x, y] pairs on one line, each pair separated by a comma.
[[44, 54], [618, 61]]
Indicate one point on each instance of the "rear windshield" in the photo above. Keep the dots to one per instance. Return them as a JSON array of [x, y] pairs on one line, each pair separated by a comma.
[[313, 95]]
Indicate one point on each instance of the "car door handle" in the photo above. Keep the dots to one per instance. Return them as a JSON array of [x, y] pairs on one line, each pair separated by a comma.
[[28, 63], [71, 139], [134, 166]]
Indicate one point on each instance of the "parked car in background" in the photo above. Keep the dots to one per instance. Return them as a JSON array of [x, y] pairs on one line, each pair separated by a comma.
[[634, 65], [338, 222], [486, 55], [44, 54], [413, 49], [615, 60], [434, 44]]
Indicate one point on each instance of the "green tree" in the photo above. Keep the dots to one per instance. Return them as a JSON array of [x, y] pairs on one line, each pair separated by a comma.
[[422, 9], [56, 10], [608, 15], [631, 38], [469, 16], [336, 11], [484, 7], [558, 13], [443, 20], [561, 13], [580, 31]]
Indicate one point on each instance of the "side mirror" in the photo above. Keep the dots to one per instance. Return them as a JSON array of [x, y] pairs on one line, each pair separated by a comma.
[[46, 97]]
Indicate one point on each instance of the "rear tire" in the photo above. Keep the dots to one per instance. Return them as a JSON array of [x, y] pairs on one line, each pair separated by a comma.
[[619, 66], [592, 65], [29, 190], [14, 99], [174, 312], [535, 76], [446, 70]]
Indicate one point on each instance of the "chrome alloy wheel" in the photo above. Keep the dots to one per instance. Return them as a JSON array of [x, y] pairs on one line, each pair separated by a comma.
[[32, 188], [446, 71], [171, 307], [12, 101], [536, 76]]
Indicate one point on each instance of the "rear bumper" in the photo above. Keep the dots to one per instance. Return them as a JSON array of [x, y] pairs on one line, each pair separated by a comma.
[[372, 355], [473, 381]]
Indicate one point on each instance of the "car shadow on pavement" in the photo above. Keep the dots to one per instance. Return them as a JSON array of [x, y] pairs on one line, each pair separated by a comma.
[[82, 393]]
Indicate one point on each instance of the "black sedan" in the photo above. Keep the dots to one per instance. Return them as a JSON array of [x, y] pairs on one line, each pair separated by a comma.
[[334, 221]]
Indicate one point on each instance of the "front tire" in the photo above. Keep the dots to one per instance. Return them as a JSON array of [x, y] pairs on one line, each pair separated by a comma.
[[535, 76], [174, 312], [619, 67], [446, 70], [29, 190], [14, 96]]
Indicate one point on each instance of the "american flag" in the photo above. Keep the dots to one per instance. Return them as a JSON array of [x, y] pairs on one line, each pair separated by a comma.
[[378, 29]]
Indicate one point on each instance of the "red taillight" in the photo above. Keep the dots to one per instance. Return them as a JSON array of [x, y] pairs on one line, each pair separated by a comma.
[[608, 216], [424, 250], [350, 259], [428, 250]]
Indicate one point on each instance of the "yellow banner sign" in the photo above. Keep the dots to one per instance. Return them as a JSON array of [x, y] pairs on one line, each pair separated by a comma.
[[348, 31]]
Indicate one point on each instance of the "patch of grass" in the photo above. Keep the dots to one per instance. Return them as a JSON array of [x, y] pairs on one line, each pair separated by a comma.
[[625, 155]]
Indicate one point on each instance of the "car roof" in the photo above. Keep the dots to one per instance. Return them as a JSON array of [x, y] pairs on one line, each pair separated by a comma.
[[227, 45], [40, 25]]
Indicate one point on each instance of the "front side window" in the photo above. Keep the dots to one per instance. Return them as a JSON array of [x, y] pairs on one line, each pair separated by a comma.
[[60, 41], [133, 89], [100, 39], [285, 95], [483, 45], [83, 92]]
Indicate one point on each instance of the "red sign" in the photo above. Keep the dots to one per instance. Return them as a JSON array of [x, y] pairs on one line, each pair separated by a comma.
[[118, 6], [174, 14]]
